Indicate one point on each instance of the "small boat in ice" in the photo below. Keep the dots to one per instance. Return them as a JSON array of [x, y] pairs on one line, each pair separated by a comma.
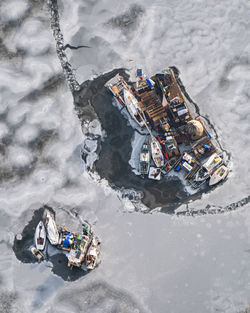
[[133, 106], [154, 173], [156, 152], [40, 236], [92, 257], [218, 175], [52, 231], [38, 254], [208, 167], [116, 87], [144, 159], [77, 255]]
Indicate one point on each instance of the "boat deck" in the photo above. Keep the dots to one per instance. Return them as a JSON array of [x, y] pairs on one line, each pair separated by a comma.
[[151, 104]]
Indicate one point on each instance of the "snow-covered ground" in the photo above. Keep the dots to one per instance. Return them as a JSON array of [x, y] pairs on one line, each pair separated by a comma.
[[150, 262]]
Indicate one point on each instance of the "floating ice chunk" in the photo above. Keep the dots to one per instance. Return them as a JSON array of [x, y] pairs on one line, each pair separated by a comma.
[[13, 10], [95, 128], [26, 133], [90, 145], [3, 130], [19, 157]]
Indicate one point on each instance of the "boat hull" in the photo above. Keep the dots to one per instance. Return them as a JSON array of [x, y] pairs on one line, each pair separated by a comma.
[[144, 159], [156, 153], [40, 236], [37, 253], [220, 174], [52, 231], [208, 167], [92, 257], [133, 107]]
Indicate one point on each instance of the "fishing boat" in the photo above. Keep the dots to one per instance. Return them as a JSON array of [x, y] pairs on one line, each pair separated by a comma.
[[218, 175], [52, 231], [67, 239], [133, 107], [92, 257], [40, 236], [154, 173], [208, 167], [38, 254], [77, 255], [116, 88], [144, 159], [156, 152]]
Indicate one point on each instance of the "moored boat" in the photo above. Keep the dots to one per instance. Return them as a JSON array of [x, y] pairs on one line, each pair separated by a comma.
[[156, 152], [144, 159], [133, 107], [154, 173], [218, 175], [92, 257], [38, 254], [40, 236], [52, 231], [208, 167], [116, 87]]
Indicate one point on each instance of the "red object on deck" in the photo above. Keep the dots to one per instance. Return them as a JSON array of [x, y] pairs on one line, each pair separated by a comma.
[[120, 101], [159, 139], [163, 147]]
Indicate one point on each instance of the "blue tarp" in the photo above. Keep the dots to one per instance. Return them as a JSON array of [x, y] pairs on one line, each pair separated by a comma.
[[66, 241], [139, 72], [149, 82]]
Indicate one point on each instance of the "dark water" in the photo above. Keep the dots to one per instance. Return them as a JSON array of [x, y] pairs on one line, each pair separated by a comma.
[[93, 100], [58, 259]]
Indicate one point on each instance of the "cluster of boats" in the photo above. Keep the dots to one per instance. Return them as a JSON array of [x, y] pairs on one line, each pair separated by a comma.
[[176, 140], [81, 249]]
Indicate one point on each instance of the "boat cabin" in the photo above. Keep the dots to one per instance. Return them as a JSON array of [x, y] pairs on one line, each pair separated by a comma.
[[171, 146], [189, 164], [203, 148]]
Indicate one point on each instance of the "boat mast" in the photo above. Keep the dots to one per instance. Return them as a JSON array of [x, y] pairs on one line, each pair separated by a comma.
[[148, 129]]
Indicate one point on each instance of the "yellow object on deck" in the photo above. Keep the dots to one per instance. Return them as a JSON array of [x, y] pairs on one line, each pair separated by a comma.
[[216, 160], [131, 60]]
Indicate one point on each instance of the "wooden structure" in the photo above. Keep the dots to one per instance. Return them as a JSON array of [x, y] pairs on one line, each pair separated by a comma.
[[151, 104], [203, 148], [189, 164], [176, 103]]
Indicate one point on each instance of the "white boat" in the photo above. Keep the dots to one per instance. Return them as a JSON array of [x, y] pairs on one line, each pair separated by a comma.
[[116, 88], [52, 231], [38, 254], [154, 173], [144, 159], [156, 152], [133, 107], [40, 236], [218, 175], [208, 167], [92, 257]]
